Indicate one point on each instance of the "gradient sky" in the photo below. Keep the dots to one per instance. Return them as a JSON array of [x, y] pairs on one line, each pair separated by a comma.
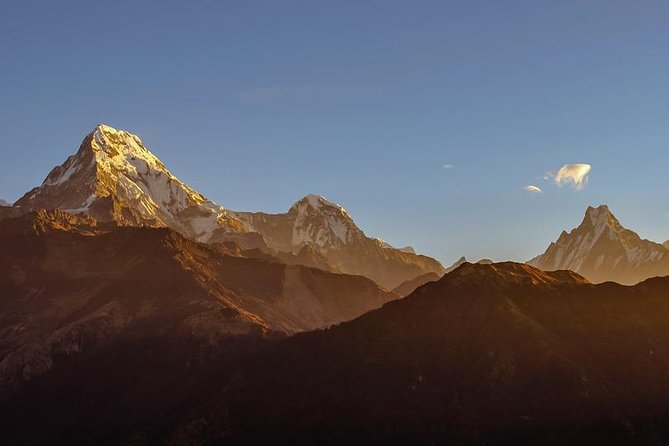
[[256, 104]]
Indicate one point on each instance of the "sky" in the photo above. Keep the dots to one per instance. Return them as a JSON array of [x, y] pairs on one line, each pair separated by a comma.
[[427, 120]]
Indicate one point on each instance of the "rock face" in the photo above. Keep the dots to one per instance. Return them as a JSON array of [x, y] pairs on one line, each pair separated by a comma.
[[114, 177], [328, 229], [601, 249], [490, 354]]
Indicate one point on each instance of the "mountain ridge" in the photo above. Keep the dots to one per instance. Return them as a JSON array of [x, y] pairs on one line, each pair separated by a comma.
[[499, 353], [329, 229], [113, 177]]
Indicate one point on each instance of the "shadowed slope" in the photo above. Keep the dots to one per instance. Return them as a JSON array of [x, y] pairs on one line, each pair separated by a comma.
[[122, 326], [490, 353]]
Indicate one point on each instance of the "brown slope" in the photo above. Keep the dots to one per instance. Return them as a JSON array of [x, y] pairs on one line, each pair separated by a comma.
[[167, 309], [501, 353]]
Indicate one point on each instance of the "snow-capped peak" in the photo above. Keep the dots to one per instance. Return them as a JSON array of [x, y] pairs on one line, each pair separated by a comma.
[[121, 154], [600, 248], [113, 176], [316, 202], [114, 143], [322, 222]]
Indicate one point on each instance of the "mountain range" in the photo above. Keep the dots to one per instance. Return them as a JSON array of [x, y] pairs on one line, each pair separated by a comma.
[[328, 228], [137, 311], [113, 177]]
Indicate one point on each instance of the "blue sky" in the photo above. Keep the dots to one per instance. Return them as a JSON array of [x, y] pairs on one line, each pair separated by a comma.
[[257, 104]]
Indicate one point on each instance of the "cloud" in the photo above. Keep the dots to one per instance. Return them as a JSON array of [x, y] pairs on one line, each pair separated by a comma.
[[533, 189], [575, 175], [449, 166]]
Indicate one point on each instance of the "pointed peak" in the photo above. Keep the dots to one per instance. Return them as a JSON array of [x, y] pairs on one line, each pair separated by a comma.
[[105, 128], [598, 210], [105, 132], [600, 216], [114, 142], [461, 261]]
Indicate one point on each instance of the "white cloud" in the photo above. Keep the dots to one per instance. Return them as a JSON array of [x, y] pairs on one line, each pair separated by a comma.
[[575, 175], [449, 166], [534, 189]]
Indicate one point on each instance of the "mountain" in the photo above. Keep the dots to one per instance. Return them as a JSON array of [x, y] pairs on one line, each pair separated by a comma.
[[124, 322], [490, 354], [3, 203], [666, 244], [601, 249], [329, 229], [114, 177]]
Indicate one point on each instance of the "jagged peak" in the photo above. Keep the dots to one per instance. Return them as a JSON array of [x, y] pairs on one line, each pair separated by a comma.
[[600, 215]]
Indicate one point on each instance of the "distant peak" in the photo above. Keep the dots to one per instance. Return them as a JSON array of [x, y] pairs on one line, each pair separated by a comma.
[[600, 216], [317, 202], [461, 261]]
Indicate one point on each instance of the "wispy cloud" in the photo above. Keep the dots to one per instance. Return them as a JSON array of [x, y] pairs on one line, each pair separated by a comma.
[[533, 189], [449, 166], [575, 175]]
